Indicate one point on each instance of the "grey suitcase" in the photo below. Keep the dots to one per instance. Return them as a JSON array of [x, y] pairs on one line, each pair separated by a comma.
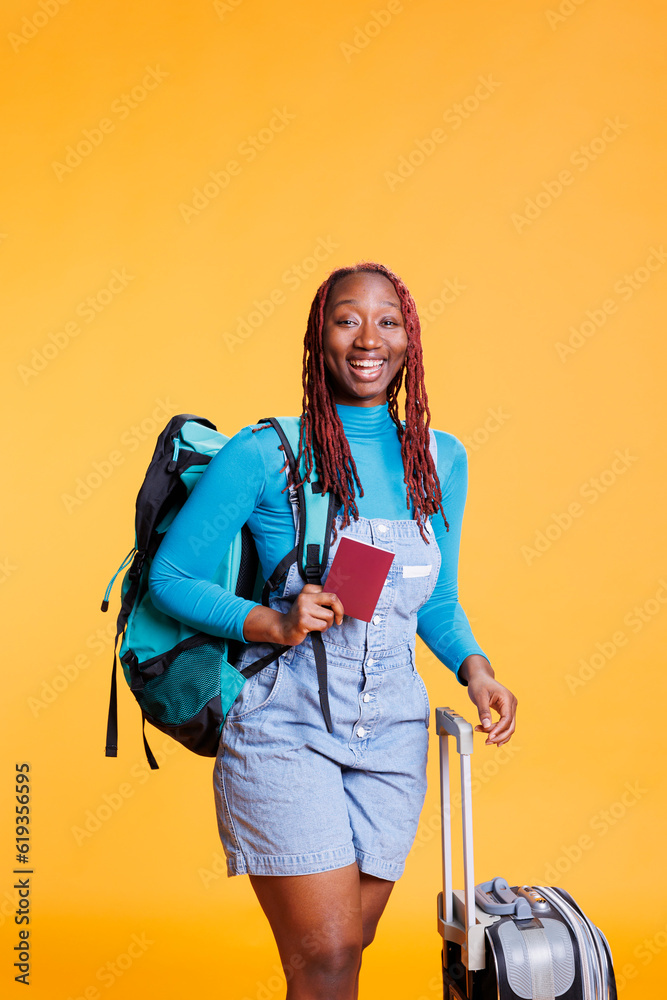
[[525, 942]]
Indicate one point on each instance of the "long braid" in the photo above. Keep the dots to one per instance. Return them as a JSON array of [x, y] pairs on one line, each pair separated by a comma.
[[322, 439], [322, 435]]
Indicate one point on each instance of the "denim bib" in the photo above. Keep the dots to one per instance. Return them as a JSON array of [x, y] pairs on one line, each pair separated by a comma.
[[293, 798]]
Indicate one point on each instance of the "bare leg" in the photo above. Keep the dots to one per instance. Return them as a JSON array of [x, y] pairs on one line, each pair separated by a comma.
[[321, 924], [375, 893]]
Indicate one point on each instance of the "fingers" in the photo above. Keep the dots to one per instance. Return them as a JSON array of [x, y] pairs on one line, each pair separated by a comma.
[[483, 708], [494, 695], [314, 610], [320, 616], [323, 599], [333, 602], [326, 608], [505, 704], [506, 708]]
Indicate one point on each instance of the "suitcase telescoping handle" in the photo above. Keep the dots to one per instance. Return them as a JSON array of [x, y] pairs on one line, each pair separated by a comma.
[[450, 723]]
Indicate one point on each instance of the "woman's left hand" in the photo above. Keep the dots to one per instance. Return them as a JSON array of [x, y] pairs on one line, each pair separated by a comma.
[[486, 693]]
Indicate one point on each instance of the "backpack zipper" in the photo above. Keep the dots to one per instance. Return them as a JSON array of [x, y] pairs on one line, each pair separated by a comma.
[[107, 592]]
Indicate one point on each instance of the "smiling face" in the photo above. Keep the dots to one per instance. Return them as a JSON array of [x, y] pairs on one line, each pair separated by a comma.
[[363, 338]]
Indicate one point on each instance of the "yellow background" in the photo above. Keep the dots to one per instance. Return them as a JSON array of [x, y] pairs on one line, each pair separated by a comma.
[[355, 105]]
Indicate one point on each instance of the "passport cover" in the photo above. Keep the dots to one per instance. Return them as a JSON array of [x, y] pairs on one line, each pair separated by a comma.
[[357, 575]]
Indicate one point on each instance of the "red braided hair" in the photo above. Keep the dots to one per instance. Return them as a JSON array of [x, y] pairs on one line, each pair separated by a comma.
[[323, 441]]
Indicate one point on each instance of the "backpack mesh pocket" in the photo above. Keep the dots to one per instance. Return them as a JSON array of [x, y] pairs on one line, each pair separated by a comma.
[[186, 685]]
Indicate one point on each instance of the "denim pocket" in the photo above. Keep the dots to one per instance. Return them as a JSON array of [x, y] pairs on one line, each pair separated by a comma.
[[256, 693]]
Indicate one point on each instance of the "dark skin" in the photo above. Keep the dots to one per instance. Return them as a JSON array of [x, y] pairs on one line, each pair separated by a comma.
[[323, 922]]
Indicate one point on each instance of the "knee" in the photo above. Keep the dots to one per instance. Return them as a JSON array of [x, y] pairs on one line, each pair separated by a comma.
[[333, 965], [369, 934]]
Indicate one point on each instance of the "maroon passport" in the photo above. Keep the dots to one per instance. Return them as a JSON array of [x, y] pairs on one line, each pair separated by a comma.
[[357, 575]]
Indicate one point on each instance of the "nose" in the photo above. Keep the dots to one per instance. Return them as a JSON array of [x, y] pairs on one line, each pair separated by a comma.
[[368, 336]]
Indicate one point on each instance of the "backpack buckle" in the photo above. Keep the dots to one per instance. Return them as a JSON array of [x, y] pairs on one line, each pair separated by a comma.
[[313, 570]]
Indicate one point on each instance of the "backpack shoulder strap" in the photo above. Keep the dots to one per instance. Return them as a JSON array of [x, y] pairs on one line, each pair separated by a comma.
[[315, 511], [315, 514]]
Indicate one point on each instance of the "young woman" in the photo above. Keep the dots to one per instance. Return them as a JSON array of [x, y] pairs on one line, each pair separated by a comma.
[[323, 821]]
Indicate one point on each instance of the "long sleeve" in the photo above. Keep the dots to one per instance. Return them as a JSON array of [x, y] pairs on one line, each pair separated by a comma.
[[244, 483], [442, 622], [182, 578]]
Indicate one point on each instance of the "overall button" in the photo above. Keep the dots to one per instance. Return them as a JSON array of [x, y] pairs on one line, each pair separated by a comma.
[[382, 528], [361, 732], [370, 661], [366, 697], [376, 619]]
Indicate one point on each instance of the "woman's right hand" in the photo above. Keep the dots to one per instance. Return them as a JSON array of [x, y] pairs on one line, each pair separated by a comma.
[[313, 610]]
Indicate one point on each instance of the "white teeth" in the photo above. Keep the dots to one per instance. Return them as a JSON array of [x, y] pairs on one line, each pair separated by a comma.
[[367, 364]]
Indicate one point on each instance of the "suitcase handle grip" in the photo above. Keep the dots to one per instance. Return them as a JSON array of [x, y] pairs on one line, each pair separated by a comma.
[[449, 722], [496, 897]]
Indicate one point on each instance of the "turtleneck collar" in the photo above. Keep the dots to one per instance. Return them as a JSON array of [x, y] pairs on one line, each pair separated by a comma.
[[362, 421]]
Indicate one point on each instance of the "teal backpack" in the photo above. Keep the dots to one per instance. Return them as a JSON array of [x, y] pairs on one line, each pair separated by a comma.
[[185, 681]]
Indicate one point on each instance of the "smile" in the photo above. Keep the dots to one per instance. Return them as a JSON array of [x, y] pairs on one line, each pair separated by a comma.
[[370, 366]]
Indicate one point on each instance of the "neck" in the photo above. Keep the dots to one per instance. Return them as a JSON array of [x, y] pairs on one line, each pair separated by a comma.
[[365, 420]]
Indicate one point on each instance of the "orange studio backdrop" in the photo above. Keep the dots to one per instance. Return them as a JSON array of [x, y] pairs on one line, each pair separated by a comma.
[[178, 179]]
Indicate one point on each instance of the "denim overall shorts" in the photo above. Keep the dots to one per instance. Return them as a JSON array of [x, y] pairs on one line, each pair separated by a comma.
[[294, 799]]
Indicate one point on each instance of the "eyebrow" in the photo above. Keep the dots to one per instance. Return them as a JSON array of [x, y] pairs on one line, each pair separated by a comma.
[[355, 302]]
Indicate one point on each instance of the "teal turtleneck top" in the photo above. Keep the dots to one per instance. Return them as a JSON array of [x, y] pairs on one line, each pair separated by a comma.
[[244, 483]]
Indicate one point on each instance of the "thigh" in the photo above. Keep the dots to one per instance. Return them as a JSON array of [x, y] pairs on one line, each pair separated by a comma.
[[317, 913], [281, 811], [313, 917], [375, 894]]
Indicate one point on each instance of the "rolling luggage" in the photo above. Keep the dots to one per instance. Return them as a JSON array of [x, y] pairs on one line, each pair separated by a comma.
[[526, 942]]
